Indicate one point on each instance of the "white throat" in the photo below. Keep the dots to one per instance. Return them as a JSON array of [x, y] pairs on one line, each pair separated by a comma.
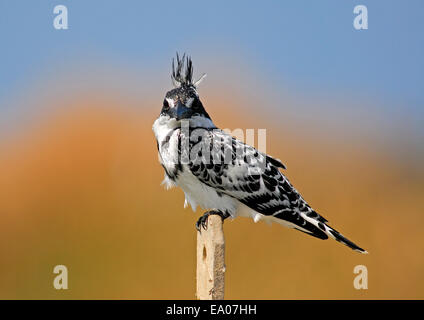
[[165, 124]]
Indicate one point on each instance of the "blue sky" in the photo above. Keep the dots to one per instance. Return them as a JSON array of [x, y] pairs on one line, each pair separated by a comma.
[[309, 45]]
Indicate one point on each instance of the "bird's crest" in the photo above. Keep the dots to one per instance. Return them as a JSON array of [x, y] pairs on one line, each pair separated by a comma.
[[182, 72]]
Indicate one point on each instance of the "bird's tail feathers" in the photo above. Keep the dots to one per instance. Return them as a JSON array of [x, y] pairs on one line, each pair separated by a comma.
[[332, 233], [313, 224], [340, 238]]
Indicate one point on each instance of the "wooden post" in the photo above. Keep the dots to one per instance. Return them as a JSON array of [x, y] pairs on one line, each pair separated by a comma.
[[210, 261]]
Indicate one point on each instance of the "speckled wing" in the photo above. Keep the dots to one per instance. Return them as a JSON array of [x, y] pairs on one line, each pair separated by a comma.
[[233, 168]]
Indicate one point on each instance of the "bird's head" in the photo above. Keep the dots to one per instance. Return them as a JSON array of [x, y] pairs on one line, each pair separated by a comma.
[[183, 102]]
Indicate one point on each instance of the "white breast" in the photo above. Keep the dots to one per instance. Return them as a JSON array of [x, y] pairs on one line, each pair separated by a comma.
[[166, 132], [196, 192], [199, 194]]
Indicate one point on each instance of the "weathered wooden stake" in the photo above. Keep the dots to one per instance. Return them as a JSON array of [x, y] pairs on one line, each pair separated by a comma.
[[210, 261]]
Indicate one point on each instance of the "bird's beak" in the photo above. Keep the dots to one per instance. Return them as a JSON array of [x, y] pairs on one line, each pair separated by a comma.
[[180, 111]]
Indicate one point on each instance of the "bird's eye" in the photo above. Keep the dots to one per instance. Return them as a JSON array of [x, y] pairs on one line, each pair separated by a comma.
[[165, 104]]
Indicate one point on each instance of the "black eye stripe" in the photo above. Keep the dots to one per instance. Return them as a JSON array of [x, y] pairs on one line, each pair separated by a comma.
[[165, 103]]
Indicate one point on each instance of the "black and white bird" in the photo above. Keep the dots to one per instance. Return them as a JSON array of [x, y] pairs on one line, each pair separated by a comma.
[[222, 174]]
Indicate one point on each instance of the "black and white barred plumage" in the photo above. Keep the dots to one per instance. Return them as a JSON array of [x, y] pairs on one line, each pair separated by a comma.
[[216, 171]]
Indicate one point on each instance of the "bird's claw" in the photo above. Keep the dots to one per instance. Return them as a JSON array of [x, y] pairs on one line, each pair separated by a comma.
[[202, 223], [203, 220]]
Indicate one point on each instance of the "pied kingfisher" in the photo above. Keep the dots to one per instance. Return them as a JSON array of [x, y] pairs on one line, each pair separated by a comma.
[[222, 174]]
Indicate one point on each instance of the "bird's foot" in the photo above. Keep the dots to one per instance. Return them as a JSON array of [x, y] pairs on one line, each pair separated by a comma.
[[203, 220]]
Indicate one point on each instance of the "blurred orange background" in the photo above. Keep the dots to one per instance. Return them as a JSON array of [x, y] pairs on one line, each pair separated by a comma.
[[80, 186]]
